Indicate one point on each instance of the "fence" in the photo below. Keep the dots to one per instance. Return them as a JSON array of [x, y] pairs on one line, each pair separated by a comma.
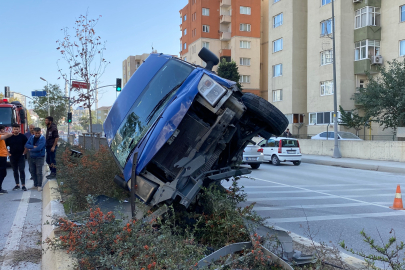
[[92, 141], [366, 137]]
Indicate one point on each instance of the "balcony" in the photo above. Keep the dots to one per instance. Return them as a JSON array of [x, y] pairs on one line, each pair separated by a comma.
[[225, 3], [361, 67], [225, 36], [225, 19], [181, 27], [225, 52]]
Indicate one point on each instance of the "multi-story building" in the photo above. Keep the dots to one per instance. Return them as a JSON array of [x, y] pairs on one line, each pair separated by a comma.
[[102, 113], [130, 65], [229, 28], [78, 113], [21, 98], [300, 55]]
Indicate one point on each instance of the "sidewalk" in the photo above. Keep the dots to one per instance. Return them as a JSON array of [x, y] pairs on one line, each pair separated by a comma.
[[362, 164]]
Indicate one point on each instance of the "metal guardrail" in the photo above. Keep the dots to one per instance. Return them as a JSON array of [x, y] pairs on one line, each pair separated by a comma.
[[366, 138]]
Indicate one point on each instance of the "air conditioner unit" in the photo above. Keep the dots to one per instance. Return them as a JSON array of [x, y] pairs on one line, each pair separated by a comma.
[[357, 1], [377, 60]]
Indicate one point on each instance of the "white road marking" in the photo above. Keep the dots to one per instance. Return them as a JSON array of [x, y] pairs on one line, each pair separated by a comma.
[[304, 191], [14, 237], [312, 206], [334, 217], [326, 186], [328, 195], [321, 197]]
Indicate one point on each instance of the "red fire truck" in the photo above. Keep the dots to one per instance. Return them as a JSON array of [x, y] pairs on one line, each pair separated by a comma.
[[11, 113]]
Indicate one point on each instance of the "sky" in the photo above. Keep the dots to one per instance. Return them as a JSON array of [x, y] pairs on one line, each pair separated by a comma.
[[29, 30]]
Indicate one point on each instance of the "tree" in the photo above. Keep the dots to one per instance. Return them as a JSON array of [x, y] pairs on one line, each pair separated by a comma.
[[229, 70], [352, 119], [59, 104], [86, 49], [84, 121], [384, 97]]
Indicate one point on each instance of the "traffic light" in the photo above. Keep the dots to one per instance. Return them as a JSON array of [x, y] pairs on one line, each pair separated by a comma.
[[118, 85], [7, 91], [69, 117]]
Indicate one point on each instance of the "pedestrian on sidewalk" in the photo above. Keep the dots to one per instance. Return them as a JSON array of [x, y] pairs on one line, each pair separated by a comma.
[[17, 151], [52, 137], [3, 156], [36, 146], [28, 134], [287, 133]]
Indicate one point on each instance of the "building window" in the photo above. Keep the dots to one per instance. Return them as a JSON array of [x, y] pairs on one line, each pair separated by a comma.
[[206, 44], [277, 70], [193, 49], [402, 48], [275, 1], [362, 83], [326, 88], [185, 18], [277, 45], [243, 44], [206, 12], [366, 49], [295, 118], [326, 57], [244, 27], [244, 79], [206, 28], [322, 118], [245, 10], [277, 95], [185, 58], [325, 2], [367, 16], [185, 45], [326, 27], [402, 10], [278, 20], [194, 16], [185, 31], [138, 64], [244, 61]]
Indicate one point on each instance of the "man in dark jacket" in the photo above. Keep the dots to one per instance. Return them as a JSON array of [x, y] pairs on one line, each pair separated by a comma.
[[17, 151], [36, 146], [52, 137], [28, 134]]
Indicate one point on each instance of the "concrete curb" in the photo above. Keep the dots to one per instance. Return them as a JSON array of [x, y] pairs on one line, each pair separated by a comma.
[[52, 208], [360, 166], [351, 261]]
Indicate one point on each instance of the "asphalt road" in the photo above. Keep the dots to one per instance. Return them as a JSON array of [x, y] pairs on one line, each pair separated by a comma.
[[20, 226], [328, 204]]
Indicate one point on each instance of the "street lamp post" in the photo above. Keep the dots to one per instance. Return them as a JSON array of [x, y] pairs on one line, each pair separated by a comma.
[[336, 150], [47, 93], [70, 89]]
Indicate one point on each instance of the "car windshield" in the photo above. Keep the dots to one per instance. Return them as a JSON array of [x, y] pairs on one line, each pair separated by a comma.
[[347, 135], [289, 143], [6, 116], [147, 107]]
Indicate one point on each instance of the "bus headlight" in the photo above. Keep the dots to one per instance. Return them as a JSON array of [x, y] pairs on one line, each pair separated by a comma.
[[211, 90]]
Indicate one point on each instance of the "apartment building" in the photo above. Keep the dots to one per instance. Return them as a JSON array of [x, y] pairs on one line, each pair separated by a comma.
[[368, 33], [229, 28], [130, 65], [102, 113]]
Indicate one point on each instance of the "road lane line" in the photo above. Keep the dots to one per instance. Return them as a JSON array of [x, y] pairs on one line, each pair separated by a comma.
[[333, 217], [319, 197], [304, 191], [14, 237], [323, 193], [311, 206], [326, 186]]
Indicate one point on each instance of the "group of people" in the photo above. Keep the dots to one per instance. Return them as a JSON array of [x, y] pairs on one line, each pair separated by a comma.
[[30, 146]]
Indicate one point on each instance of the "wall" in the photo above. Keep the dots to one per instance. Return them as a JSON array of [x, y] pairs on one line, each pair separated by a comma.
[[374, 150]]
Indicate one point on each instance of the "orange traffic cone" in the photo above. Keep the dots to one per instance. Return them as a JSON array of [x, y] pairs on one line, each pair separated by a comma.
[[398, 200]]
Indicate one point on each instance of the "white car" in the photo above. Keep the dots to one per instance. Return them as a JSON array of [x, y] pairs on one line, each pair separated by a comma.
[[345, 136], [281, 149], [253, 156]]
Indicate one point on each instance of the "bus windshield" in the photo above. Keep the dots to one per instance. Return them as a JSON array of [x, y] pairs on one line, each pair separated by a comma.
[[6, 116]]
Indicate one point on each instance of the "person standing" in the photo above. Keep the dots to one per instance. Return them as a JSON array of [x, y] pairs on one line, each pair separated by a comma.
[[3, 156], [17, 151], [36, 147], [52, 137], [28, 134], [287, 133]]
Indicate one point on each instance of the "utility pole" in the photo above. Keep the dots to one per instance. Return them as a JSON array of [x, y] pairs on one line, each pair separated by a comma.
[[336, 150]]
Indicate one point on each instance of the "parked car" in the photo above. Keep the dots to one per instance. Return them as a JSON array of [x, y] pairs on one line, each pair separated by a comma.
[[176, 127], [281, 149], [253, 155], [342, 135]]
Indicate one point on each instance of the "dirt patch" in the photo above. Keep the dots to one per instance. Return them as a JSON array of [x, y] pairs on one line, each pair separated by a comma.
[[32, 255]]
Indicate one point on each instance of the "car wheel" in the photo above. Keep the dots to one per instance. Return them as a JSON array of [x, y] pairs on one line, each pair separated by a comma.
[[297, 163], [267, 113], [255, 165], [275, 160]]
